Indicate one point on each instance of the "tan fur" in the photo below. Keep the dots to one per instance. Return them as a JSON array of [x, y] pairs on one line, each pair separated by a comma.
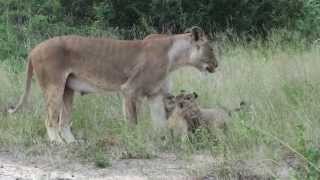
[[214, 117], [178, 124], [156, 36], [185, 115], [67, 64]]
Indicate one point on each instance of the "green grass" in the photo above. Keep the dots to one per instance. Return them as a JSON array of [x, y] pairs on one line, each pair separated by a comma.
[[281, 84]]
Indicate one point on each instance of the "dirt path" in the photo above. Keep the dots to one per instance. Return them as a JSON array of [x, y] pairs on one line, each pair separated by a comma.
[[166, 166]]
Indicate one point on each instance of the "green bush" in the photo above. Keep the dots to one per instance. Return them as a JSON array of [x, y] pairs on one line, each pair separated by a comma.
[[140, 17], [309, 23]]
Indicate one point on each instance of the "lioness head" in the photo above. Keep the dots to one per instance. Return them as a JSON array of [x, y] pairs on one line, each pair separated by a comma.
[[202, 55], [192, 49]]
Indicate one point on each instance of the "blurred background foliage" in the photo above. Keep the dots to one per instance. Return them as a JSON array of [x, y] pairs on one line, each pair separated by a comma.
[[243, 17], [23, 23]]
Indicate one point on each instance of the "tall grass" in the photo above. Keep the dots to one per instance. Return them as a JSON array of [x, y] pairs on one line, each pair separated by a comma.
[[280, 83]]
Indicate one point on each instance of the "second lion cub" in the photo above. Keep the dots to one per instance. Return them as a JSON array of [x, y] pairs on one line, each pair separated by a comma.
[[185, 115]]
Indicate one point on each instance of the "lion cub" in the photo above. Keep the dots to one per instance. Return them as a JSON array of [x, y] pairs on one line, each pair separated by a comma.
[[185, 115]]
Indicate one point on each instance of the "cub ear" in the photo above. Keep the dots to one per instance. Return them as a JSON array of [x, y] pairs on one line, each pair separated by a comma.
[[196, 33], [195, 95], [169, 96]]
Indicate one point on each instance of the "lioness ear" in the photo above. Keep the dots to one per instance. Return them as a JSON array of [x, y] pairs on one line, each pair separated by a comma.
[[195, 95], [197, 33]]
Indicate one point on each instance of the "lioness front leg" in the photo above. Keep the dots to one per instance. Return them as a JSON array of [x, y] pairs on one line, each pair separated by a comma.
[[129, 102], [157, 111], [130, 110]]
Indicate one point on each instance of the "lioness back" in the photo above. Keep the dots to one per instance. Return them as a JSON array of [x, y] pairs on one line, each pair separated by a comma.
[[105, 63]]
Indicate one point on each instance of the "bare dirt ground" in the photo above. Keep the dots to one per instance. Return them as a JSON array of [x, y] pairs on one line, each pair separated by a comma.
[[16, 166], [166, 166]]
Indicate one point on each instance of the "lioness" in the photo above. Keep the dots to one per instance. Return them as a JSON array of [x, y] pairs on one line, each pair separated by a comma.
[[187, 115], [137, 68]]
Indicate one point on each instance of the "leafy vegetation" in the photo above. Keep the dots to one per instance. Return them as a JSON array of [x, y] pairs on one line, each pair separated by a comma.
[[131, 18]]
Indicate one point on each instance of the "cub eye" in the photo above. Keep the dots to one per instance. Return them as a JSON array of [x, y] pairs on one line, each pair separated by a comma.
[[181, 105]]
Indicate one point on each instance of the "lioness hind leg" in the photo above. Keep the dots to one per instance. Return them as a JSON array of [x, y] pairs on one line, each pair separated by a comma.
[[65, 116], [54, 101]]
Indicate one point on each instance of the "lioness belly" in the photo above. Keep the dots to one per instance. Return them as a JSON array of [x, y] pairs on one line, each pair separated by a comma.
[[80, 85]]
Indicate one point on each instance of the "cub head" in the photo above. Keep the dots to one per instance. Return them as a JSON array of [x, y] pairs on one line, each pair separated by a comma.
[[186, 99], [188, 108], [202, 55], [183, 102]]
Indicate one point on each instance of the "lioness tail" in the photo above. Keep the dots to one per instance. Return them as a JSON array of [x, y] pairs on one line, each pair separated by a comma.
[[25, 95]]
